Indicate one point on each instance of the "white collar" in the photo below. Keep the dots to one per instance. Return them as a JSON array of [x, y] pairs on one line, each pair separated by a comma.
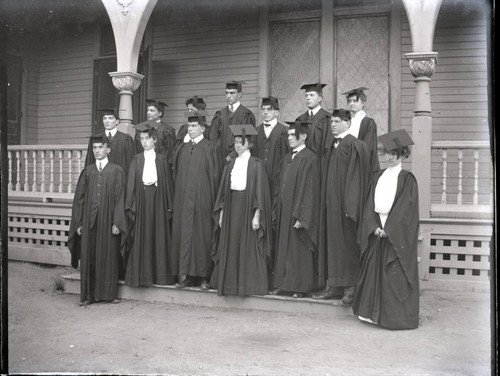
[[235, 106], [343, 134], [360, 114], [112, 131], [315, 110], [298, 149], [149, 153], [197, 139], [245, 155], [103, 162], [272, 123]]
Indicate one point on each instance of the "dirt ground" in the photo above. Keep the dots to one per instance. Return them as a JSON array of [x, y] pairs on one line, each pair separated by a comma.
[[50, 333]]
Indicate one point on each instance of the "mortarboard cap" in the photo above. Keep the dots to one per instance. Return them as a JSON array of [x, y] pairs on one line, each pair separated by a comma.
[[301, 126], [145, 126], [317, 87], [199, 116], [109, 111], [243, 130], [238, 85], [98, 139], [396, 140], [357, 91], [270, 101], [158, 104], [342, 114]]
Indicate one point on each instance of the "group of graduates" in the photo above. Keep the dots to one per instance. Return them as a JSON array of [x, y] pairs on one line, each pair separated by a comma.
[[300, 209]]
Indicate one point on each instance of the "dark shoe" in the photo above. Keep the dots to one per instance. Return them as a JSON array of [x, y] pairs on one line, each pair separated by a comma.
[[348, 295], [188, 282], [331, 293], [275, 292], [298, 295], [204, 285]]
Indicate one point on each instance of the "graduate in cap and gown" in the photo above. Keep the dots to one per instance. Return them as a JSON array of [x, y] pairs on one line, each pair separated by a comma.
[[243, 213], [197, 171], [165, 133], [388, 288], [194, 103], [149, 205], [344, 188], [297, 214], [98, 226], [317, 117], [121, 145], [362, 126], [233, 113], [271, 142]]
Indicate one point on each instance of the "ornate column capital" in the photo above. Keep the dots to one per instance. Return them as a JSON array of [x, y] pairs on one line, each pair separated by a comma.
[[422, 64], [126, 81]]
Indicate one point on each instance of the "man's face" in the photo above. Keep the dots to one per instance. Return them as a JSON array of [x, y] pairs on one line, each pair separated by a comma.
[[313, 99], [100, 150], [339, 126], [147, 141], [195, 129], [355, 104], [191, 107], [294, 139], [110, 122], [153, 113], [232, 96], [269, 113]]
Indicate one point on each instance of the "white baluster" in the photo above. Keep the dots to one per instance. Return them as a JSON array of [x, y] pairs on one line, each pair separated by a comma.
[[43, 185], [60, 171], [18, 174], [70, 172], [460, 164], [26, 171], [10, 170], [34, 187], [79, 155], [51, 158], [475, 198], [444, 155]]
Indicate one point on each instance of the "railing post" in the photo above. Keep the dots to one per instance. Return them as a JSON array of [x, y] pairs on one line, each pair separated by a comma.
[[61, 171], [43, 186], [26, 171], [10, 170], [70, 172], [460, 175], [18, 168], [51, 158], [475, 197], [444, 155], [34, 187]]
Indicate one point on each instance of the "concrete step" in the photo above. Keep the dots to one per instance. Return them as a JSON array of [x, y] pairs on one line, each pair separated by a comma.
[[196, 297]]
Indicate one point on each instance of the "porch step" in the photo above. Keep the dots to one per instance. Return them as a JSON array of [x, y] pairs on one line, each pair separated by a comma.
[[197, 297]]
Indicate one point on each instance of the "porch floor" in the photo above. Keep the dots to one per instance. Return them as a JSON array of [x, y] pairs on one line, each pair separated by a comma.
[[197, 297]]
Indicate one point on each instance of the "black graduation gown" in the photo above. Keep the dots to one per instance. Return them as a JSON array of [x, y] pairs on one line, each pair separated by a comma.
[[345, 183], [98, 204], [319, 129], [183, 130], [298, 199], [388, 286], [271, 150], [197, 171], [149, 210], [368, 134], [122, 150], [165, 142], [221, 134], [255, 250]]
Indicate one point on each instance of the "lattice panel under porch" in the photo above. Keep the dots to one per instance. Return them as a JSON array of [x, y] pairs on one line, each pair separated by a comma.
[[460, 258], [38, 231]]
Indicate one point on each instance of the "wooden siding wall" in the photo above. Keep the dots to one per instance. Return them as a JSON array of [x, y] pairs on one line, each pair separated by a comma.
[[458, 94], [196, 51], [30, 98], [459, 84], [65, 89]]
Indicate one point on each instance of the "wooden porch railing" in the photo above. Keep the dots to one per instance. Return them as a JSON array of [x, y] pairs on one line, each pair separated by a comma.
[[462, 179], [44, 172]]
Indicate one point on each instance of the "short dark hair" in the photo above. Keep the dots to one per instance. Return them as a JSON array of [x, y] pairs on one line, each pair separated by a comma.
[[359, 95], [152, 132], [402, 152], [250, 140]]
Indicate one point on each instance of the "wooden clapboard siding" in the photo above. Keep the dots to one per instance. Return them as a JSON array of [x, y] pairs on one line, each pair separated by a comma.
[[196, 51], [65, 89], [459, 84], [32, 75]]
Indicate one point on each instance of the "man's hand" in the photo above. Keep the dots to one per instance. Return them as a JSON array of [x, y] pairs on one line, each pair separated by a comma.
[[298, 225], [79, 230], [115, 230]]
